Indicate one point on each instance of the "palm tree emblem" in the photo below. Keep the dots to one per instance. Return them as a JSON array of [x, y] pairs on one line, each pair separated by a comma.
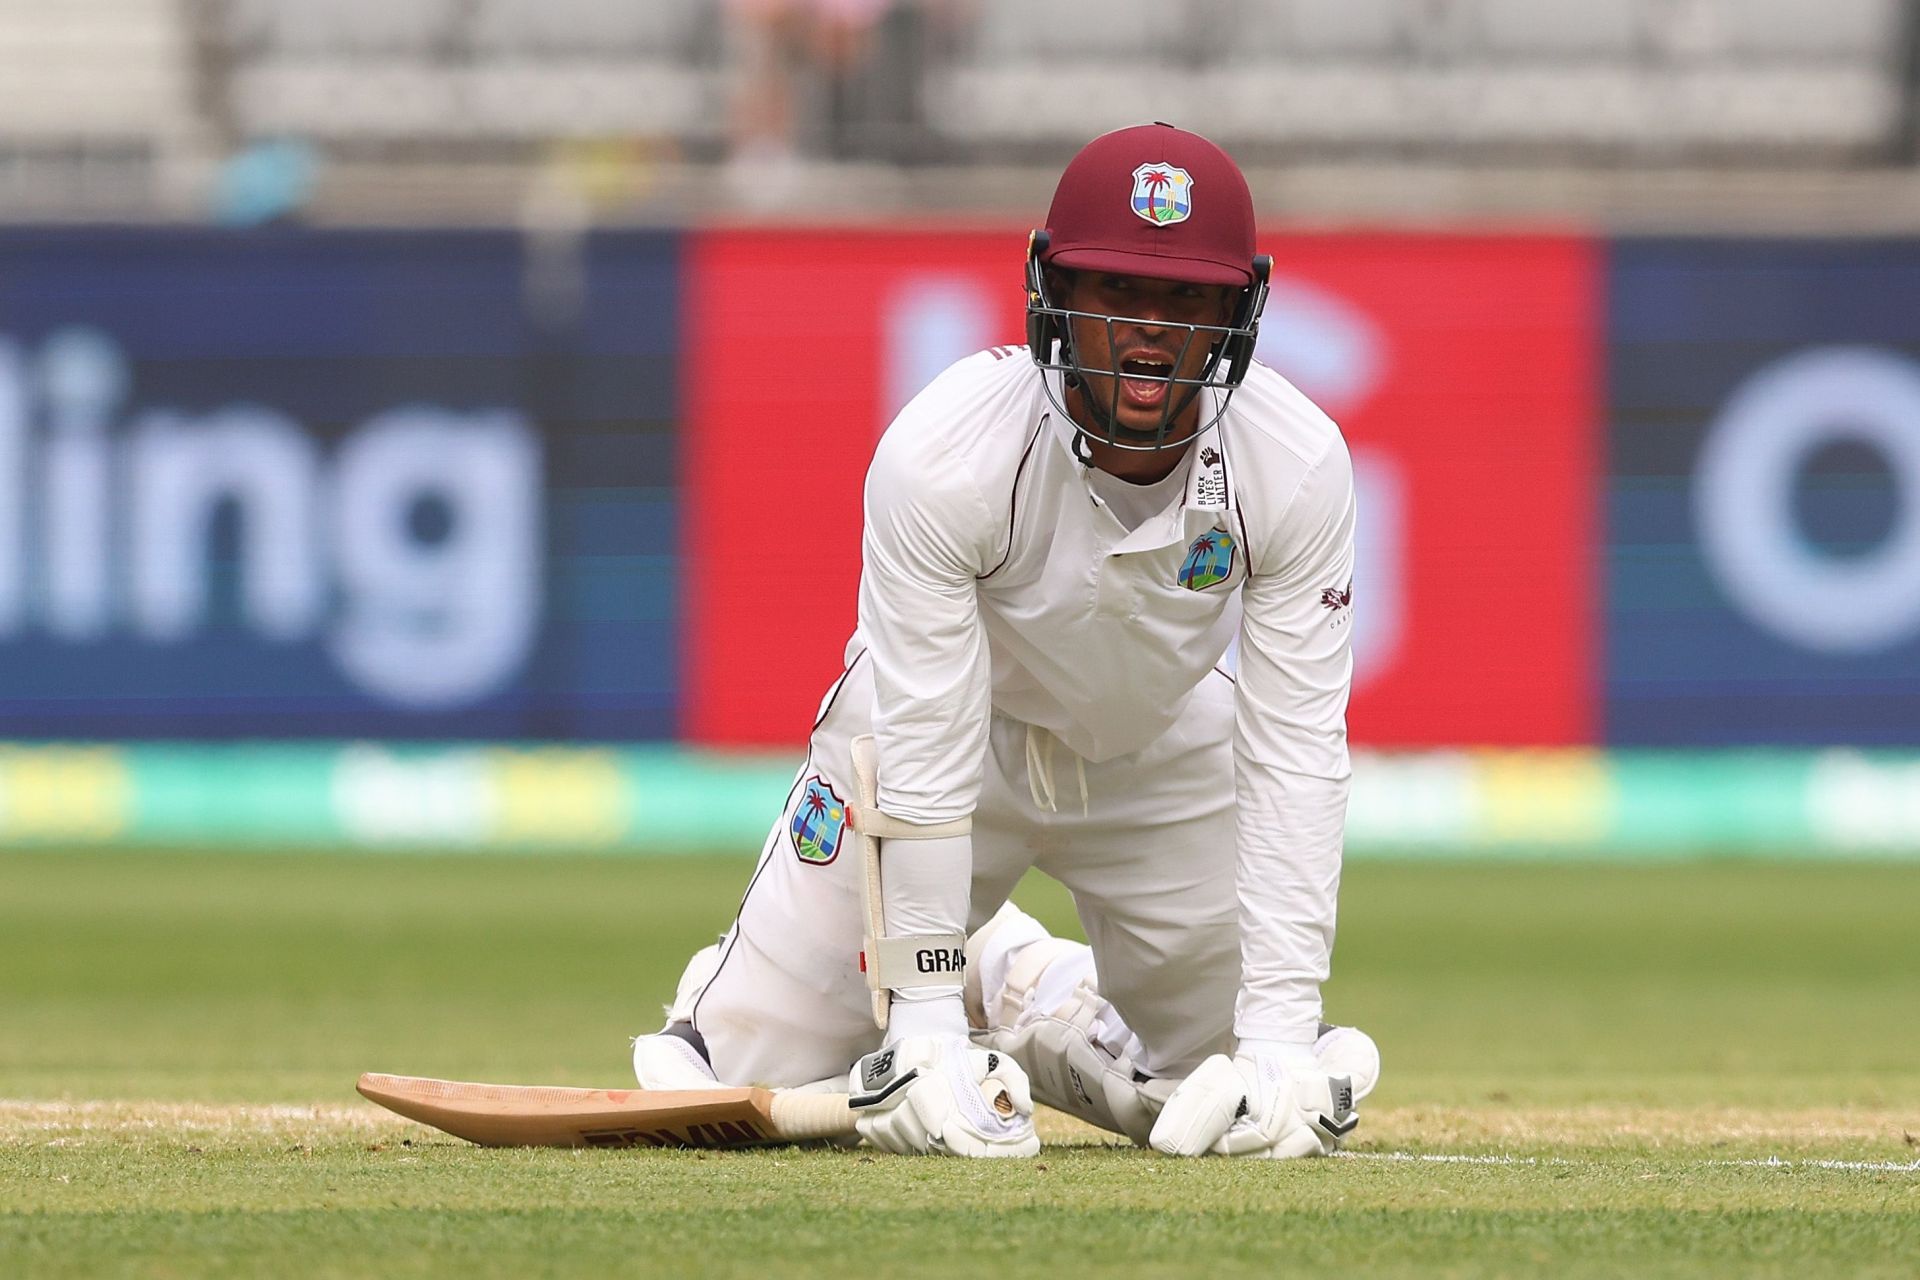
[[1159, 193], [1209, 560], [1160, 209], [816, 833]]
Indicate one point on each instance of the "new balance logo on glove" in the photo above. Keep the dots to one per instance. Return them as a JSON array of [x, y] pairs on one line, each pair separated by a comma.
[[1343, 1121]]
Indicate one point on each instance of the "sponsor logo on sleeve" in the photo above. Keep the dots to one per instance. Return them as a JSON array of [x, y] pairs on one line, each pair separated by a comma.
[[1337, 601]]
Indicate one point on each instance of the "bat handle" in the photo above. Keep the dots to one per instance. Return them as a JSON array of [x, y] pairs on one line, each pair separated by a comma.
[[799, 1117]]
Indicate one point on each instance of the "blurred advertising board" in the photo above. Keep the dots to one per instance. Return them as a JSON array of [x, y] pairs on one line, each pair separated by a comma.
[[1463, 369], [1764, 493], [661, 800], [299, 484]]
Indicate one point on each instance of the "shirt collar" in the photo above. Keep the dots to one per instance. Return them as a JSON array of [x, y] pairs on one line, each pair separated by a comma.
[[1209, 480]]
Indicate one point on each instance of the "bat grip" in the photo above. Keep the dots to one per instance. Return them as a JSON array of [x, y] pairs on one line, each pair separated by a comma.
[[801, 1116]]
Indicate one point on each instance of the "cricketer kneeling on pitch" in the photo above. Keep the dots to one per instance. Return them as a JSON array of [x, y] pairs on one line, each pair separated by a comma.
[[1062, 542]]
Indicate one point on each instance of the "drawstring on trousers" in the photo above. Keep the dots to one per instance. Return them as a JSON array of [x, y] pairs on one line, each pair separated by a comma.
[[1040, 772]]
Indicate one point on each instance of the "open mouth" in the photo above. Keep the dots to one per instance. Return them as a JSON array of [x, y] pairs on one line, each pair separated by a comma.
[[1144, 382]]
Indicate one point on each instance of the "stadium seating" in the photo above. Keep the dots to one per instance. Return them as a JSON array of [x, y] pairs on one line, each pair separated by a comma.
[[372, 71], [1653, 78], [94, 73], [1452, 81]]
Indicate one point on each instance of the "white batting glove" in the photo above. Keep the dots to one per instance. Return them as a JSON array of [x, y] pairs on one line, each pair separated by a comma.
[[938, 1095], [1272, 1101]]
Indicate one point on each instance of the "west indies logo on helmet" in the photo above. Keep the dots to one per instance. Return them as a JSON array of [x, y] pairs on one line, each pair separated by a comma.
[[1162, 193], [1127, 206]]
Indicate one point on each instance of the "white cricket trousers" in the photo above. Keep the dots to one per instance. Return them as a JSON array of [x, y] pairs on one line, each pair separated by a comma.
[[1149, 861]]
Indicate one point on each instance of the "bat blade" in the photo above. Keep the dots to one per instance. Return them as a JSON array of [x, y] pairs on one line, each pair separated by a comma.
[[510, 1115]]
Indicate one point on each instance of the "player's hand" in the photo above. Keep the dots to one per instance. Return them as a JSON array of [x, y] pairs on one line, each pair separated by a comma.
[[938, 1095], [1267, 1102]]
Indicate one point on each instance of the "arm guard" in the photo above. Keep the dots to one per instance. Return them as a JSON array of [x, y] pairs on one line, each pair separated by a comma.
[[891, 963]]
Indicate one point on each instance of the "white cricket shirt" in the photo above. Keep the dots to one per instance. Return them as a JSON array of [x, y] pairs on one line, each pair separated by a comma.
[[995, 578]]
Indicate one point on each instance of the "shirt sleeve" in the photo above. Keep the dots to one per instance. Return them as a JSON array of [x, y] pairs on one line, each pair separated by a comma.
[[1291, 770], [926, 527]]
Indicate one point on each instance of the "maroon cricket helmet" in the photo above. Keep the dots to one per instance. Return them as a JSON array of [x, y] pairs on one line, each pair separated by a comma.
[[1153, 200]]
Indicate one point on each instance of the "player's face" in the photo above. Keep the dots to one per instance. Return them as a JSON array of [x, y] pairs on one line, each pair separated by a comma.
[[1150, 343]]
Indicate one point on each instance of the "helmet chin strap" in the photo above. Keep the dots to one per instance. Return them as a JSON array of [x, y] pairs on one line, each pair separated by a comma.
[[1109, 427], [1081, 446]]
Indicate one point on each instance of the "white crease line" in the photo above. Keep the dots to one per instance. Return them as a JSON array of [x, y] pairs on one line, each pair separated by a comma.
[[1771, 1162], [1871, 1166], [1418, 1157]]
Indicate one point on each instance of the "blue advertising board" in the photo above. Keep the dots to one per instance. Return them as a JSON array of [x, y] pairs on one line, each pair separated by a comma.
[[1763, 580], [330, 483]]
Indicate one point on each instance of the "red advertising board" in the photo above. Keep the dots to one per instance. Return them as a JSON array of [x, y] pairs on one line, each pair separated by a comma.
[[1462, 368]]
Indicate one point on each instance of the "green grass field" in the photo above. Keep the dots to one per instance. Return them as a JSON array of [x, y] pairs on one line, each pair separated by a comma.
[[1586, 1069]]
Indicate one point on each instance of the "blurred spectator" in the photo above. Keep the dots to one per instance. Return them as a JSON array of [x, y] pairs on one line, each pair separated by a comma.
[[264, 183], [814, 78]]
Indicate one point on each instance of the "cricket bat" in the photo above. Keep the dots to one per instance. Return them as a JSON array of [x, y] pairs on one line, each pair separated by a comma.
[[517, 1115]]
